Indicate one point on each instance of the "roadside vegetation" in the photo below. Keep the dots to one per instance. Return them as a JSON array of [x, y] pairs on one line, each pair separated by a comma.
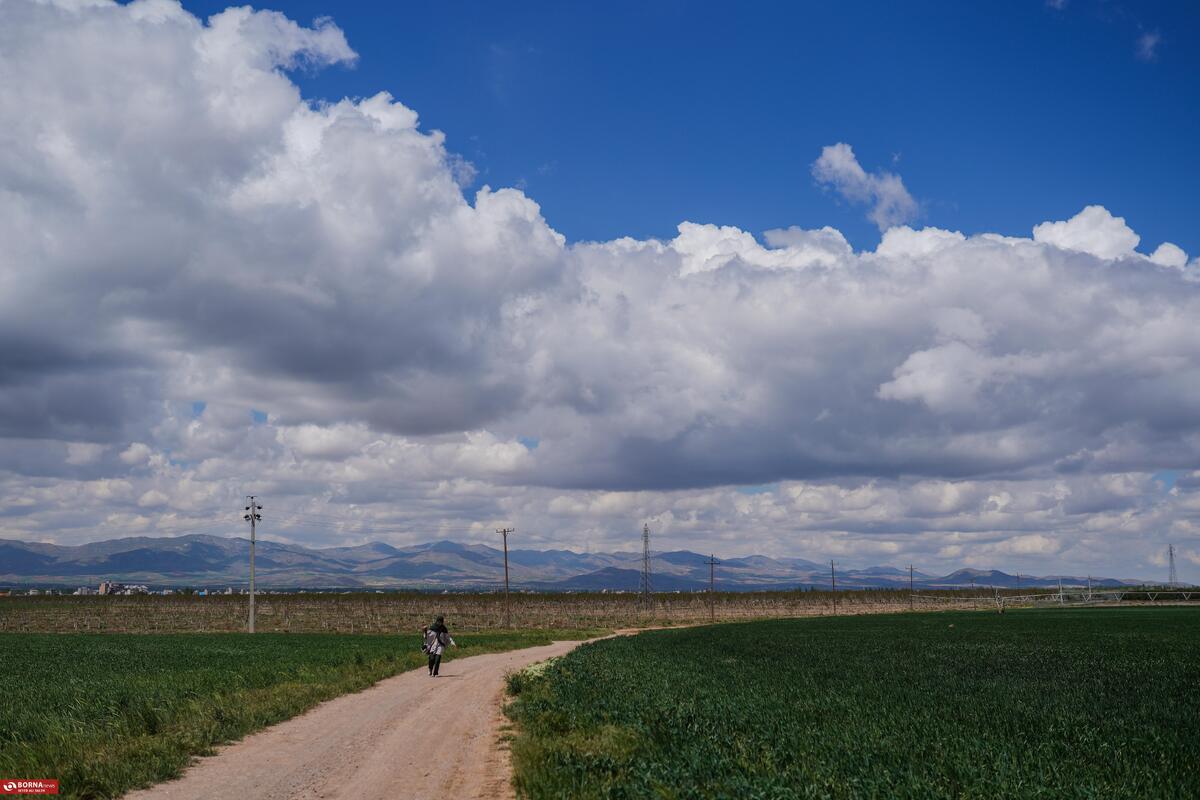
[[1072, 703], [106, 713]]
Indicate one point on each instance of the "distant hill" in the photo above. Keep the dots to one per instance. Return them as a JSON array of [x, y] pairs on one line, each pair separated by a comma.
[[214, 561]]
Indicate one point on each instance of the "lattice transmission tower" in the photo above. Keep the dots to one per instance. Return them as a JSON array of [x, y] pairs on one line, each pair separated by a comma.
[[644, 590], [1172, 576]]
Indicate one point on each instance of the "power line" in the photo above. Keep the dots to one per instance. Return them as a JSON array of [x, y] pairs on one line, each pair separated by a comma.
[[181, 531], [433, 523], [182, 525], [305, 519]]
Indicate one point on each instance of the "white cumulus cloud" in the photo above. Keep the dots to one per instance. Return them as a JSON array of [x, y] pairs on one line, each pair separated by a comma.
[[1093, 230], [211, 285], [884, 192], [1169, 255]]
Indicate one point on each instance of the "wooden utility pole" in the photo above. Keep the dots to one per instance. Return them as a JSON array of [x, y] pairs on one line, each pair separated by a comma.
[[507, 609], [712, 579], [833, 584], [252, 516], [910, 587]]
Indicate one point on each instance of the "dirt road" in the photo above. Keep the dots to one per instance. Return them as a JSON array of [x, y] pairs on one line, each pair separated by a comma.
[[407, 736]]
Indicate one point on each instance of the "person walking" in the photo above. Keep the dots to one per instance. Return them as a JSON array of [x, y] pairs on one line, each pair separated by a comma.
[[437, 638]]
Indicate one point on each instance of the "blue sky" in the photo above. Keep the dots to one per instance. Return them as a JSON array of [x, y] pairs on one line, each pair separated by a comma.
[[217, 284], [626, 118]]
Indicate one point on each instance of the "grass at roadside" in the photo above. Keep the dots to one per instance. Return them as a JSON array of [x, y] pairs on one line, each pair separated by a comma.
[[104, 713], [1075, 703]]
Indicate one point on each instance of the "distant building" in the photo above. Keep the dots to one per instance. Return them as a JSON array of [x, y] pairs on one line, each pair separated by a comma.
[[114, 588]]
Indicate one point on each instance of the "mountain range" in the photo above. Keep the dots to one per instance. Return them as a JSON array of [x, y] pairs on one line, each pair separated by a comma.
[[212, 561]]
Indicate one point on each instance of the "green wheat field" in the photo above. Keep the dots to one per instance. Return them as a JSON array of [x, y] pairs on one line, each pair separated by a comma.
[[1073, 703], [104, 713]]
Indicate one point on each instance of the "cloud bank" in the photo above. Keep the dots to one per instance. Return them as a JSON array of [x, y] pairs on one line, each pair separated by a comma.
[[210, 285]]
